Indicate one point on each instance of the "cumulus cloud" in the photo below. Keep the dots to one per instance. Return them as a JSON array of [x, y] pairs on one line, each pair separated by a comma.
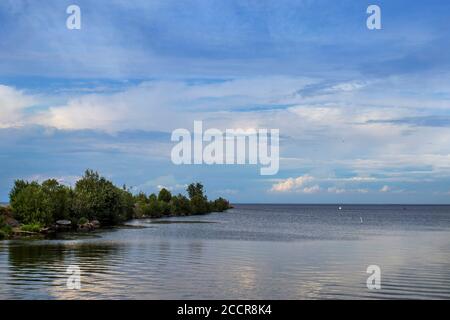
[[166, 105], [295, 185], [13, 104], [333, 130]]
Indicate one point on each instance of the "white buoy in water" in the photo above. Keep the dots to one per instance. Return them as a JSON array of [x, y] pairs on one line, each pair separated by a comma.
[[340, 208], [361, 219]]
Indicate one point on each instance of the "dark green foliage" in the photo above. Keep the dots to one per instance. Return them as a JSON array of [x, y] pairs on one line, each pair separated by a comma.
[[60, 199], [199, 205], [19, 185], [31, 204], [5, 230], [140, 198], [199, 202], [180, 205], [127, 202], [195, 189], [166, 204], [83, 220], [164, 195], [96, 198], [220, 205]]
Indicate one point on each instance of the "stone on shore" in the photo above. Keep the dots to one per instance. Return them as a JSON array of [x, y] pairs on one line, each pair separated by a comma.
[[63, 222]]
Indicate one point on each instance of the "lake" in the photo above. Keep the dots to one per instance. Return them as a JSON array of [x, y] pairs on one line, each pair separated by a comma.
[[249, 252]]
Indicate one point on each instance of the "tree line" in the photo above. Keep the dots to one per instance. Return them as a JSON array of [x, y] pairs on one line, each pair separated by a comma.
[[38, 205]]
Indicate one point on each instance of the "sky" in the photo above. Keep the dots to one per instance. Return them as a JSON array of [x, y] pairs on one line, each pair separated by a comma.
[[363, 115]]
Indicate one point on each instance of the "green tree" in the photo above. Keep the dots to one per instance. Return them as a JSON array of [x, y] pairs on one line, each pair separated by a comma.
[[32, 205], [141, 198], [180, 205], [97, 198], [164, 195], [164, 208], [19, 185], [199, 205], [195, 189], [60, 199], [154, 208], [128, 204], [199, 202], [220, 205]]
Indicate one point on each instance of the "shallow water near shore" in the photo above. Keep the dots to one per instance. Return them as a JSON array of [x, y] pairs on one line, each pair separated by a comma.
[[249, 252]]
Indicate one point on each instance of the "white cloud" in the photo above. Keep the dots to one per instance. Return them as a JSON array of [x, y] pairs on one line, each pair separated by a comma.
[[336, 190], [342, 190], [168, 182], [166, 105], [66, 180], [312, 189], [294, 185], [320, 131], [13, 103]]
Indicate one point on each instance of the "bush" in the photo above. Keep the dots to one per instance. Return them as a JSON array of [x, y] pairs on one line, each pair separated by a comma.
[[153, 208], [180, 206], [83, 220], [31, 204], [96, 198], [3, 234], [32, 227], [220, 205], [5, 230], [36, 203]]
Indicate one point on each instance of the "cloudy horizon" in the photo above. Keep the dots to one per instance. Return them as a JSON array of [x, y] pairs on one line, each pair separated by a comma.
[[363, 114]]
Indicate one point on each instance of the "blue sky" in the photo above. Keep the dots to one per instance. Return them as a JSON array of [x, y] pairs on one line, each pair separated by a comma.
[[364, 115]]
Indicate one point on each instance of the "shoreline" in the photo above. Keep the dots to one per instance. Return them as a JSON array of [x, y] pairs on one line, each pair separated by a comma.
[[49, 232]]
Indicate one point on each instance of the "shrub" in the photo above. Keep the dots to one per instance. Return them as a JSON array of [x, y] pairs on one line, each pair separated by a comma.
[[83, 220], [5, 230], [32, 227], [40, 203], [96, 198], [164, 208], [220, 205], [3, 235], [32, 205]]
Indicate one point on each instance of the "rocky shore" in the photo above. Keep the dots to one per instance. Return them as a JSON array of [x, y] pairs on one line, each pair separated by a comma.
[[10, 228]]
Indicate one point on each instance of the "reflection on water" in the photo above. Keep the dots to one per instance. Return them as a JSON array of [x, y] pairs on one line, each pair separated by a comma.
[[251, 252]]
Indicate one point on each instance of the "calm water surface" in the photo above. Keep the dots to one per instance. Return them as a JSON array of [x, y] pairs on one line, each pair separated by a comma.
[[250, 252]]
